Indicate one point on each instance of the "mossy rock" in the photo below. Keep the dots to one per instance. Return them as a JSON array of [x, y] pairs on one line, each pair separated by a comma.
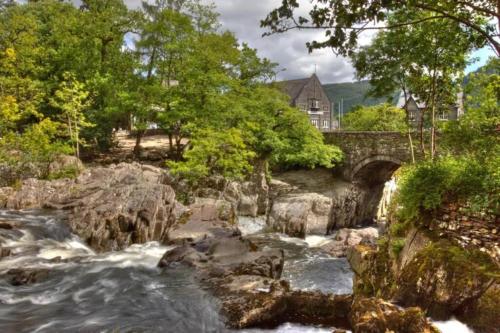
[[442, 278], [483, 314]]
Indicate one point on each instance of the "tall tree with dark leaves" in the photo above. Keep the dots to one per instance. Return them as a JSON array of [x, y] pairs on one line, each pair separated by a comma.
[[344, 21]]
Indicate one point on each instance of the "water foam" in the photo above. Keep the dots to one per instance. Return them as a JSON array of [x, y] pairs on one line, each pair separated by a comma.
[[251, 225], [452, 326]]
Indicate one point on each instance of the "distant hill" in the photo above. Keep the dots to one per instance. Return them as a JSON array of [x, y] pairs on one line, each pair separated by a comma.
[[354, 94]]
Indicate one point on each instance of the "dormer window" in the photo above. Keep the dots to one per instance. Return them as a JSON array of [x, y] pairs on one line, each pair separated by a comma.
[[314, 104]]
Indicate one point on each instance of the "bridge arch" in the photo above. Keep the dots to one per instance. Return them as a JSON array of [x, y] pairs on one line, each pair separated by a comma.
[[375, 170]]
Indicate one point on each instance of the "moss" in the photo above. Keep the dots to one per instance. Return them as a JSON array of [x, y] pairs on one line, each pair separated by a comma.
[[397, 245], [70, 172], [184, 218], [442, 278], [483, 314], [183, 197], [467, 261], [399, 229]]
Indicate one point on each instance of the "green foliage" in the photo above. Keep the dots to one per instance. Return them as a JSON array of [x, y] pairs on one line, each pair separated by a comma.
[[383, 117], [67, 172], [344, 21], [72, 99], [215, 152], [30, 154], [469, 174], [476, 132], [426, 186], [397, 245], [300, 144], [74, 68]]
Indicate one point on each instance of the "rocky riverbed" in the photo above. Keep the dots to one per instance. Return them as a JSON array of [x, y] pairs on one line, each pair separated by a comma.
[[114, 250]]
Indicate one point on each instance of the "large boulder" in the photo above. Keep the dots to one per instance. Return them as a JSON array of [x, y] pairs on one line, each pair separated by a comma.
[[109, 207], [301, 214], [432, 273], [346, 238], [205, 218], [442, 279], [226, 257], [315, 202]]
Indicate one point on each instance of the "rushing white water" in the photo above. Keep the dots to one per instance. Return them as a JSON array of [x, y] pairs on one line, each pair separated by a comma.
[[452, 326], [390, 188], [125, 291], [251, 225]]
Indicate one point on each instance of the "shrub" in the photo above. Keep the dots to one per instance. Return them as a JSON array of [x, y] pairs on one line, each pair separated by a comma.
[[30, 154], [426, 186], [215, 153]]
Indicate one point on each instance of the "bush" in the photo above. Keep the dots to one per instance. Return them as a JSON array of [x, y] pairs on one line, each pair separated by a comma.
[[383, 117], [426, 186], [215, 152], [30, 154]]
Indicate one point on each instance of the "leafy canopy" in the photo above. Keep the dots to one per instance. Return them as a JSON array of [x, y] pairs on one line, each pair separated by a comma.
[[383, 117], [344, 21]]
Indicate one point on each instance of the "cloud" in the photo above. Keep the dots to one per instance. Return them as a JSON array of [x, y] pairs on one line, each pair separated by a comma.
[[242, 17], [289, 50]]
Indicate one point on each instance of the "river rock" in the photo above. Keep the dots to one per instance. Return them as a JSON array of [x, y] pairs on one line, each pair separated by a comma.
[[315, 202], [109, 207], [372, 315], [346, 238], [300, 214], [433, 274], [23, 276], [227, 256], [205, 218]]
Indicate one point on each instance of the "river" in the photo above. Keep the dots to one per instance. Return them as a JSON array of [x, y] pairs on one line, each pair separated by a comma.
[[124, 291]]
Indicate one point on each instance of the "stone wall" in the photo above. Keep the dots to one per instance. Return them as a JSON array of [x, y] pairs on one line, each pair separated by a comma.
[[470, 230]]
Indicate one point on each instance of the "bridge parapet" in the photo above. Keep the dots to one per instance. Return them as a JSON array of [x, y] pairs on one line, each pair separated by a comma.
[[371, 157]]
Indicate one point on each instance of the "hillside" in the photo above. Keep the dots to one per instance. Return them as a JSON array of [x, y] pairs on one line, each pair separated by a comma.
[[353, 94]]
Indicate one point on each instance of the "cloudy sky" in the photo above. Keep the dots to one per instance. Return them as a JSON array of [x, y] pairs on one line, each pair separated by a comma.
[[289, 50], [243, 18]]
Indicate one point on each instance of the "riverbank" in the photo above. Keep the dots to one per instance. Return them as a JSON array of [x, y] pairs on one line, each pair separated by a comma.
[[119, 222]]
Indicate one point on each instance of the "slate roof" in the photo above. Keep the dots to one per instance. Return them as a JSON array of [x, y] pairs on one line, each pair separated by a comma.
[[293, 88]]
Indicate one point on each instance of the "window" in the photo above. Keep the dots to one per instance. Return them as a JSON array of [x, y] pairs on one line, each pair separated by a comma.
[[411, 115], [326, 124], [302, 106], [314, 104], [325, 108], [315, 122], [443, 116]]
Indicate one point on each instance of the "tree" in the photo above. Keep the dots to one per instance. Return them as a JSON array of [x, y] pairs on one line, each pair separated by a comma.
[[420, 60], [215, 152], [383, 117], [30, 154], [72, 99], [343, 22], [476, 133]]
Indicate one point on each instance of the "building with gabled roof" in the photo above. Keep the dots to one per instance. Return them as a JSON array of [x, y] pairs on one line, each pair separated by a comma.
[[414, 108], [309, 96]]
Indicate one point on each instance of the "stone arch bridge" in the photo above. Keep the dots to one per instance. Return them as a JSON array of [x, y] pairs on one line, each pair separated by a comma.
[[370, 157]]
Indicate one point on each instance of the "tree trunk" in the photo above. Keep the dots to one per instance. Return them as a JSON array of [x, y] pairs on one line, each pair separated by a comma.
[[178, 145], [170, 144], [77, 139], [138, 138], [412, 152], [421, 132]]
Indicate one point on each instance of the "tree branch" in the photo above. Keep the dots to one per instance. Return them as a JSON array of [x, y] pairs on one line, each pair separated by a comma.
[[489, 38], [364, 27], [479, 9]]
